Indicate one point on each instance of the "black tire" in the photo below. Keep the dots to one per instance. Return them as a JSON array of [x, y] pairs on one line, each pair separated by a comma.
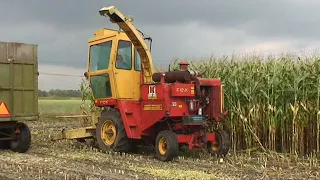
[[121, 142], [172, 146], [23, 141], [4, 145], [223, 144]]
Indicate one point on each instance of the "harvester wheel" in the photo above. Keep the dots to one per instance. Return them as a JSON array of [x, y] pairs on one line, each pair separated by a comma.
[[23, 141], [111, 133], [167, 146], [222, 146]]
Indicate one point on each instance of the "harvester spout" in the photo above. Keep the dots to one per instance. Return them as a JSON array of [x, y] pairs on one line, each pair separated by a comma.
[[125, 23]]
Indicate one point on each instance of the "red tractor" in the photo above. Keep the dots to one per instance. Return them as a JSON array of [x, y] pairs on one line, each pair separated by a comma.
[[168, 109]]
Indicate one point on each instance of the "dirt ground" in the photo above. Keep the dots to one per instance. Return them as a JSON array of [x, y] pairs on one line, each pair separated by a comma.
[[69, 159]]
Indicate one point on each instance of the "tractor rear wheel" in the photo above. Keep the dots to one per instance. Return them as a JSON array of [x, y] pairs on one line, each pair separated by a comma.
[[167, 146], [222, 146], [111, 133], [23, 141]]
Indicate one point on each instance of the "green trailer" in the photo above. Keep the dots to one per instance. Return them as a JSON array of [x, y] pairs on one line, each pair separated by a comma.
[[18, 94]]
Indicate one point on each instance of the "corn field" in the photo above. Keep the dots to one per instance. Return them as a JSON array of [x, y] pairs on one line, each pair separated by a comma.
[[273, 102]]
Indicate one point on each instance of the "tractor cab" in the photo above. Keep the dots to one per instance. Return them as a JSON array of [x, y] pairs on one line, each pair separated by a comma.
[[113, 66]]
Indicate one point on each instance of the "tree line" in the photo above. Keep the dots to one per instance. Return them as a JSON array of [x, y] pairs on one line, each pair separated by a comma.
[[59, 93]]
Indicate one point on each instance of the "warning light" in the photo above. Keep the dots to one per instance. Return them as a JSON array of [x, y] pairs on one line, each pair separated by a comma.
[[4, 111]]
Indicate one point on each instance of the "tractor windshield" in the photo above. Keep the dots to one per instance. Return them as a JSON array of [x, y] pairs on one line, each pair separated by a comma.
[[99, 60], [100, 56]]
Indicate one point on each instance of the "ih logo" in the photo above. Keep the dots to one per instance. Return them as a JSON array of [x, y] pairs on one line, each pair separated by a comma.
[[152, 92], [4, 111]]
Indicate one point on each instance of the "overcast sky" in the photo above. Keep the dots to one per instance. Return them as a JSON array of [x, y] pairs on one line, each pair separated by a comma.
[[179, 29]]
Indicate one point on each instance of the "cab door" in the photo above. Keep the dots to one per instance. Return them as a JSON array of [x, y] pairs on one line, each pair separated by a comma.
[[123, 70], [99, 69]]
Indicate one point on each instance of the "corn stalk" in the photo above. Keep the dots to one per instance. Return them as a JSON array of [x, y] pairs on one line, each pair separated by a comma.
[[88, 107]]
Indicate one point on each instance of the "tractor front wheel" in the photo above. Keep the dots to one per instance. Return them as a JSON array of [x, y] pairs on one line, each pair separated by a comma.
[[111, 133], [221, 148], [23, 140], [167, 146]]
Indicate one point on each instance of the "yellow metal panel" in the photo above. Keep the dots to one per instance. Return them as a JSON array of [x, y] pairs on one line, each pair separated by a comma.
[[74, 133], [123, 83], [101, 34], [136, 80], [149, 107]]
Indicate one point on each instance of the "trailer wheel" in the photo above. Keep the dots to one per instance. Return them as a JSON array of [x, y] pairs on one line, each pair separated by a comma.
[[167, 146], [222, 146], [23, 141], [111, 133]]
